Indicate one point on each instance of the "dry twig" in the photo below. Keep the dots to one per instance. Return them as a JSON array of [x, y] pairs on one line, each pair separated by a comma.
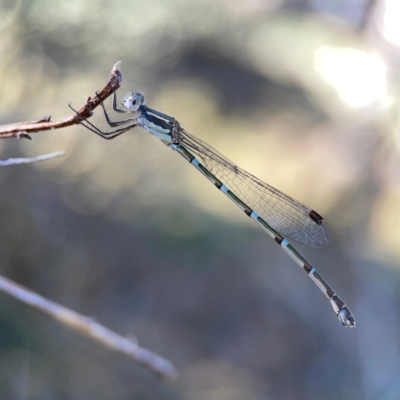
[[22, 129], [67, 317], [44, 157], [91, 328]]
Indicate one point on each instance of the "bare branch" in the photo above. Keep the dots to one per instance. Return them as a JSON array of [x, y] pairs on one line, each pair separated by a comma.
[[67, 317], [44, 157], [22, 129], [92, 329], [367, 19]]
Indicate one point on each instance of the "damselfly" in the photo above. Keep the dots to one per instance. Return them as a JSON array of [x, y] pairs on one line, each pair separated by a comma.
[[278, 214]]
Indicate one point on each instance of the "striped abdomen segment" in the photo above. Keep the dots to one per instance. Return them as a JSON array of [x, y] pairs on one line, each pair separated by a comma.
[[342, 311]]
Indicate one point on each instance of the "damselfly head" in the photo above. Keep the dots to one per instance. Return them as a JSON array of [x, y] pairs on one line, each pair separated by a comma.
[[132, 101]]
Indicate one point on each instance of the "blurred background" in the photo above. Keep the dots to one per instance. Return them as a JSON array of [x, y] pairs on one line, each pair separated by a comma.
[[301, 93]]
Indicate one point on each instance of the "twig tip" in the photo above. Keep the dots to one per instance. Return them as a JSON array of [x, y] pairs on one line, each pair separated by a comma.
[[116, 72]]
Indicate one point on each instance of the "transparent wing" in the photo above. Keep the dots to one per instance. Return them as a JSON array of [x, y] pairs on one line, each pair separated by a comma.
[[286, 215]]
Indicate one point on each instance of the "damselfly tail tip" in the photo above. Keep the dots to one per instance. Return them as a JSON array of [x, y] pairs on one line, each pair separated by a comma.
[[346, 318]]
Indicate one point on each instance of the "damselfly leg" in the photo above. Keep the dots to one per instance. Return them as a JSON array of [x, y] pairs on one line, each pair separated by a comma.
[[111, 134]]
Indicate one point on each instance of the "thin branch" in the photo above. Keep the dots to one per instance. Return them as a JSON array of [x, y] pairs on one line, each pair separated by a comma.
[[67, 317], [367, 19], [44, 157], [92, 329], [22, 129]]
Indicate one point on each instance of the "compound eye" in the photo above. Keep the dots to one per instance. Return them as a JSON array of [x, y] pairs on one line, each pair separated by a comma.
[[141, 98], [133, 101], [134, 104]]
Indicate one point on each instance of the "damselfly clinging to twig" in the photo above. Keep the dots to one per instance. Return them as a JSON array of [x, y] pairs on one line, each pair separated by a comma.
[[278, 214]]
